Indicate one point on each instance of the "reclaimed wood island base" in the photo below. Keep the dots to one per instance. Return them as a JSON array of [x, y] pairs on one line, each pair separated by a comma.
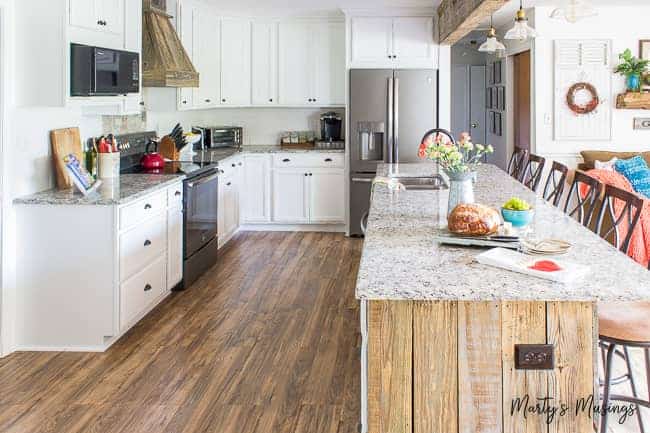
[[449, 367], [441, 331]]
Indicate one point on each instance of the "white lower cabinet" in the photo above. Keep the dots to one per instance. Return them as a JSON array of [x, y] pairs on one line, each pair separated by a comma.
[[86, 283], [290, 196], [327, 203], [256, 184]]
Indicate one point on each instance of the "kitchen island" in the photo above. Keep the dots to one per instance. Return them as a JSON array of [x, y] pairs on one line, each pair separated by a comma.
[[440, 330]]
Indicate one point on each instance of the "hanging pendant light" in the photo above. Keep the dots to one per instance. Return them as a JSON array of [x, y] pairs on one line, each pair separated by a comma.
[[575, 11], [521, 31], [492, 44]]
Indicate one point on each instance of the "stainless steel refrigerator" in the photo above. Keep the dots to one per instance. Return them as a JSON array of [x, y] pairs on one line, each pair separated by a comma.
[[390, 111]]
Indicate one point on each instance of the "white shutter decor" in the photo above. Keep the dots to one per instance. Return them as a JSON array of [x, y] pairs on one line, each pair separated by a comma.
[[583, 67]]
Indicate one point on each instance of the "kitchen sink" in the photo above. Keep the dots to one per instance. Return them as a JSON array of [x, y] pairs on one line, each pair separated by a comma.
[[423, 183]]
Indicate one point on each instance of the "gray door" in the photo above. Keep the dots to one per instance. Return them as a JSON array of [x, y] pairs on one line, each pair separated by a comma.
[[369, 117], [416, 103], [477, 111], [460, 100]]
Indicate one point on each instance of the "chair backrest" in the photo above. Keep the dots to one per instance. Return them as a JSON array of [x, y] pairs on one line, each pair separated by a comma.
[[612, 220], [533, 172], [517, 163], [554, 187], [579, 206]]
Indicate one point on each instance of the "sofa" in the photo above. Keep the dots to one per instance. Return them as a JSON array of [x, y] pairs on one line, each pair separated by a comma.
[[589, 156]]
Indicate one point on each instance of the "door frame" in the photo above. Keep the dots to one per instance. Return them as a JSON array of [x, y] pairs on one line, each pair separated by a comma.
[[3, 97]]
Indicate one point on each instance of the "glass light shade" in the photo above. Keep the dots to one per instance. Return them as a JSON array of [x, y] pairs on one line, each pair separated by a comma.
[[574, 11], [521, 31], [492, 45]]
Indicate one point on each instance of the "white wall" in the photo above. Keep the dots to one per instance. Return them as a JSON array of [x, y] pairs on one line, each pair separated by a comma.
[[625, 26]]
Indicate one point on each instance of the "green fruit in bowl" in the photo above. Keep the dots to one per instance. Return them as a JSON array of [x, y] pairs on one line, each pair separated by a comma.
[[517, 204]]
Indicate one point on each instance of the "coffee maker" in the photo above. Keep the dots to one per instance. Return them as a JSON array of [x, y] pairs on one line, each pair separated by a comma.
[[330, 127]]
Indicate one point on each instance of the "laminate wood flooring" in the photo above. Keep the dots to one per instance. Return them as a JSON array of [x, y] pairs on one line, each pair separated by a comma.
[[267, 341]]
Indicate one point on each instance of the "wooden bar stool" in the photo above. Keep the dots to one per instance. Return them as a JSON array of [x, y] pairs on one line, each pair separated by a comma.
[[517, 163], [533, 170], [554, 187], [583, 207], [621, 325]]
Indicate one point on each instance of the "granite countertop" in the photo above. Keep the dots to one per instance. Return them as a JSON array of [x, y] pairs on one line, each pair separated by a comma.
[[401, 261], [130, 187]]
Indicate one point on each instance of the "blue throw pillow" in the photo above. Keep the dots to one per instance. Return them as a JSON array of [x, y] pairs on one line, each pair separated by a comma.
[[637, 172]]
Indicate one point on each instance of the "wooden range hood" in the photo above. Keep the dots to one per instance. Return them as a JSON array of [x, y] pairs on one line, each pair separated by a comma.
[[165, 61]]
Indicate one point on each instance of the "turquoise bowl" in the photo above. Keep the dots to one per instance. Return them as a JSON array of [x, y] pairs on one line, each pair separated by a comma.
[[518, 218]]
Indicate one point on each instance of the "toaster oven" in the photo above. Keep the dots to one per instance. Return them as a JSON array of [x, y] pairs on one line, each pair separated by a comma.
[[219, 136]]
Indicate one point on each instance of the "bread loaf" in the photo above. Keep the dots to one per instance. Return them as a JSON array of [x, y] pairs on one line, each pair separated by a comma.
[[473, 220]]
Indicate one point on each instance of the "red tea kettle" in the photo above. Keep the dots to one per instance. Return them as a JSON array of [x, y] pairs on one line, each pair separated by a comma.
[[152, 160]]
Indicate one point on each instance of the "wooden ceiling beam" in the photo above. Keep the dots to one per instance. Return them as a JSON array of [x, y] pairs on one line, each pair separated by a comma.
[[456, 18]]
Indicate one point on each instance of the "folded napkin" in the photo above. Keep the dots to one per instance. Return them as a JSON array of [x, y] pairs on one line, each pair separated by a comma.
[[547, 268]]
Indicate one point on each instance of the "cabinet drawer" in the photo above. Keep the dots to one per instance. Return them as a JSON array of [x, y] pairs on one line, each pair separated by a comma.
[[175, 196], [140, 291], [140, 245], [228, 167], [316, 160], [134, 213]]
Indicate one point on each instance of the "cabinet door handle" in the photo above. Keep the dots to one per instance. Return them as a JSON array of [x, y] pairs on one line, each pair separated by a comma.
[[147, 206], [223, 100], [306, 174], [177, 193], [184, 102], [229, 183], [147, 287], [286, 160], [270, 99], [311, 174], [147, 243], [328, 159], [208, 100], [234, 165], [240, 164]]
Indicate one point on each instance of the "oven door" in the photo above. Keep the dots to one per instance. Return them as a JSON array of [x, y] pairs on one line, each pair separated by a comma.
[[201, 204]]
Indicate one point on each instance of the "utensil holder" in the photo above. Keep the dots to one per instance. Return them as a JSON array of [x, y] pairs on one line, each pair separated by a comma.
[[108, 165]]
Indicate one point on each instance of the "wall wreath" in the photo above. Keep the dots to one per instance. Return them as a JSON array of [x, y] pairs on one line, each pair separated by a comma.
[[582, 107]]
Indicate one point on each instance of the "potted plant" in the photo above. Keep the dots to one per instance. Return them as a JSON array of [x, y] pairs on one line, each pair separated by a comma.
[[458, 160], [632, 68]]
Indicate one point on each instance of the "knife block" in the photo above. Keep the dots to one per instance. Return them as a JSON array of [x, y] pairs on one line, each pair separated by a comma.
[[167, 149]]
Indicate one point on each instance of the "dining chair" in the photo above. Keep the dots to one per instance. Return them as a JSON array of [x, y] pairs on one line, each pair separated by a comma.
[[622, 326], [580, 203], [611, 221], [517, 163], [554, 187], [533, 170]]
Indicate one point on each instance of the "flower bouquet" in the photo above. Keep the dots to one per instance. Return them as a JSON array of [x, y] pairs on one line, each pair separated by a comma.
[[456, 159]]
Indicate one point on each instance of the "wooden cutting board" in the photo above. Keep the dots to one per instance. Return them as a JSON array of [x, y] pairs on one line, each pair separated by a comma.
[[64, 142]]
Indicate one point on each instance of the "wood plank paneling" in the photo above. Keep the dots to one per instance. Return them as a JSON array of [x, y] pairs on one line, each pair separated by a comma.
[[390, 339], [522, 323], [435, 367], [570, 329], [479, 367], [456, 18]]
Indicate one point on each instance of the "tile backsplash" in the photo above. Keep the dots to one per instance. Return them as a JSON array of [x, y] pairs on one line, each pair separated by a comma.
[[120, 125]]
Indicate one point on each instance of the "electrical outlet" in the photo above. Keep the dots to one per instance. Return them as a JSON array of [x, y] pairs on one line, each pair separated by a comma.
[[642, 123], [534, 357]]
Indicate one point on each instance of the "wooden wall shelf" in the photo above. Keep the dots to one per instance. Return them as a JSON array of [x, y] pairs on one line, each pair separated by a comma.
[[633, 101]]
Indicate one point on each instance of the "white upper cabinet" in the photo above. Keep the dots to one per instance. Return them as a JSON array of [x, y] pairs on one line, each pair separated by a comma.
[[206, 57], [329, 64], [235, 62], [392, 42], [372, 40], [413, 41], [296, 66], [265, 63], [186, 33], [98, 15], [312, 63]]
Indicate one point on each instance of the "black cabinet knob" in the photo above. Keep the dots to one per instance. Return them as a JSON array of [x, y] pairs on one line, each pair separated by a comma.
[[328, 159], [208, 100], [223, 100], [306, 174], [270, 99], [184, 102], [234, 165], [240, 164], [177, 193], [229, 183], [147, 287], [286, 160], [147, 243], [147, 206], [142, 103], [311, 174]]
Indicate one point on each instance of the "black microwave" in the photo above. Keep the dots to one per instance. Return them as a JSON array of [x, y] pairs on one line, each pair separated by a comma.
[[99, 71]]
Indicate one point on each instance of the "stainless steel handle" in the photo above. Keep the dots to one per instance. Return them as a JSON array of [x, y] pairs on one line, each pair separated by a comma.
[[362, 179], [203, 180], [396, 123], [364, 222], [388, 148]]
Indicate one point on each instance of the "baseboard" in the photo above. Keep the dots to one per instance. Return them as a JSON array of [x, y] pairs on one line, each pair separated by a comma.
[[98, 349], [324, 228]]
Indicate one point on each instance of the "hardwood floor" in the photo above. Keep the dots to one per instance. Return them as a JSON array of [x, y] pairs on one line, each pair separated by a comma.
[[267, 341]]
